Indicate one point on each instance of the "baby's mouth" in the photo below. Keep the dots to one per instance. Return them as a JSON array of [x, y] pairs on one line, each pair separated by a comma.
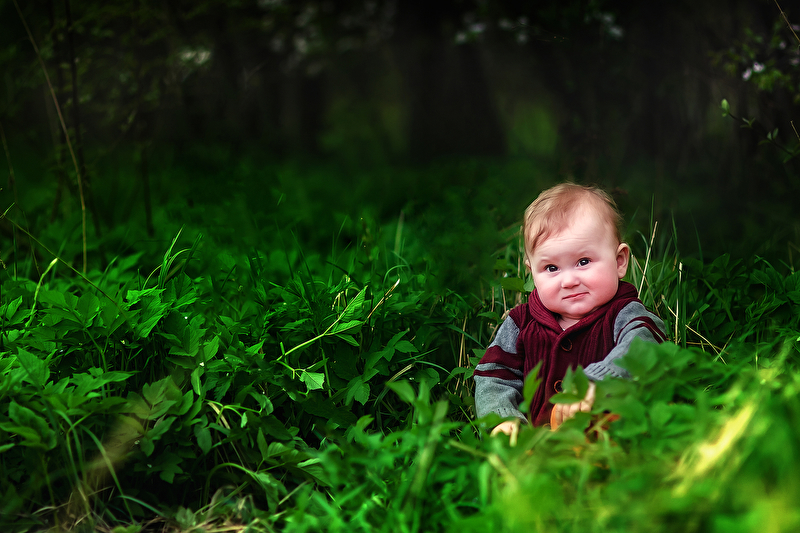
[[576, 295]]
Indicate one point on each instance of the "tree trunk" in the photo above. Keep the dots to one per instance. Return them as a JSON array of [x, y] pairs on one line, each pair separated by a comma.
[[76, 118], [451, 109]]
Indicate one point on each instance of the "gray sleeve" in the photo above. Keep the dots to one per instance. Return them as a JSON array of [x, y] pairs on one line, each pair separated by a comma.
[[494, 394], [629, 325]]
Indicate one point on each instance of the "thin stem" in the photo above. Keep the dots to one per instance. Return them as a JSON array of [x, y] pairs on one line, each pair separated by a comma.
[[57, 258], [788, 24], [647, 258]]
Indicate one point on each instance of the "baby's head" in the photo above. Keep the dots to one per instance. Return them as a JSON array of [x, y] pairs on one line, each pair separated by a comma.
[[552, 210], [574, 249]]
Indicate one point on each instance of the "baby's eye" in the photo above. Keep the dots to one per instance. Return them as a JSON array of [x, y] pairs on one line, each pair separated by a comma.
[[583, 262], [551, 268]]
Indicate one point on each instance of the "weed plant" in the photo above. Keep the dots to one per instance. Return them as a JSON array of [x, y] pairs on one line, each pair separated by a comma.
[[223, 385]]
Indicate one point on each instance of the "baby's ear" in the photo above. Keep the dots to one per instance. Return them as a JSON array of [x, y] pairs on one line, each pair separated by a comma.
[[623, 255]]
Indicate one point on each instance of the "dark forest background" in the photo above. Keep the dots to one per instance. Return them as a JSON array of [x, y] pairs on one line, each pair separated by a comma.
[[450, 114], [253, 250]]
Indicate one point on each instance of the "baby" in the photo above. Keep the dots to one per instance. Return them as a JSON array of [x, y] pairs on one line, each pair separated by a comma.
[[579, 314]]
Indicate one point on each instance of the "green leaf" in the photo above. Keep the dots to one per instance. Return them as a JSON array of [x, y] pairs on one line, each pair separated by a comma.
[[86, 383], [403, 389], [30, 437], [141, 408], [356, 432], [503, 264], [152, 309], [261, 442], [574, 385], [580, 383], [274, 427], [57, 298], [180, 291], [633, 419], [427, 375], [255, 348], [147, 446], [640, 359], [6, 447], [353, 310], [349, 339], [357, 390], [513, 284], [37, 370], [197, 387], [34, 430], [660, 414], [187, 334], [203, 436], [353, 326], [187, 520], [323, 407], [529, 285], [530, 386], [168, 463], [313, 380], [406, 347], [726, 108], [271, 486], [11, 310], [210, 349], [314, 468], [88, 308], [264, 403], [160, 428]]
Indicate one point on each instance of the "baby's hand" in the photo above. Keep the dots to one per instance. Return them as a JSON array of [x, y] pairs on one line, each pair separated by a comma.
[[510, 428], [564, 411]]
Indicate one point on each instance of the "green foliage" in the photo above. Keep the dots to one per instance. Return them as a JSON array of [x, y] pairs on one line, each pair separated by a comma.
[[768, 61], [241, 378], [209, 391], [772, 64], [257, 376], [174, 386]]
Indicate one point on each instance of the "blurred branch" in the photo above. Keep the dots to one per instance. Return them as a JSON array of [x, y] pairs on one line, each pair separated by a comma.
[[788, 24], [771, 136]]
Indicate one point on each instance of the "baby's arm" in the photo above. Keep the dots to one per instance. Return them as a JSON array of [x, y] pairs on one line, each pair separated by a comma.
[[498, 377], [633, 321]]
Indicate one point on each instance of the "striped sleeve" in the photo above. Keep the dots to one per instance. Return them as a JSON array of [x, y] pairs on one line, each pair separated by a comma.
[[633, 321], [498, 376]]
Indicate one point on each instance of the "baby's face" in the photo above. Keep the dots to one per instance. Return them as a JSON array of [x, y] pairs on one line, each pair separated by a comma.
[[578, 269]]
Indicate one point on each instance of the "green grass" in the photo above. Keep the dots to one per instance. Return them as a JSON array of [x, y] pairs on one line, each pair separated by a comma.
[[300, 360]]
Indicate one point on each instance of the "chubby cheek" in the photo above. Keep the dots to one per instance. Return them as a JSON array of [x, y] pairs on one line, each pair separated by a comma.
[[548, 290], [541, 283], [607, 284]]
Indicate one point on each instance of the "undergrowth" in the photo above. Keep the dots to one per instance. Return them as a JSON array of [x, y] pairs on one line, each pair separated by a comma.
[[228, 386]]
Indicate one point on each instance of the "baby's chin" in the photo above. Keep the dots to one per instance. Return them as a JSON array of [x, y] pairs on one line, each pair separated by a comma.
[[574, 318]]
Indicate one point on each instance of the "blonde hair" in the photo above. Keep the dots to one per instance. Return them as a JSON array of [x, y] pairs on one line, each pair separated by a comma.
[[552, 209]]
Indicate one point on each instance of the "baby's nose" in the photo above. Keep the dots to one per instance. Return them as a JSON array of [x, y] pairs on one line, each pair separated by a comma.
[[569, 279]]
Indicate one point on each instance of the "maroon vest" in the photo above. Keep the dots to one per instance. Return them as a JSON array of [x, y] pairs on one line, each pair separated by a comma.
[[542, 339]]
